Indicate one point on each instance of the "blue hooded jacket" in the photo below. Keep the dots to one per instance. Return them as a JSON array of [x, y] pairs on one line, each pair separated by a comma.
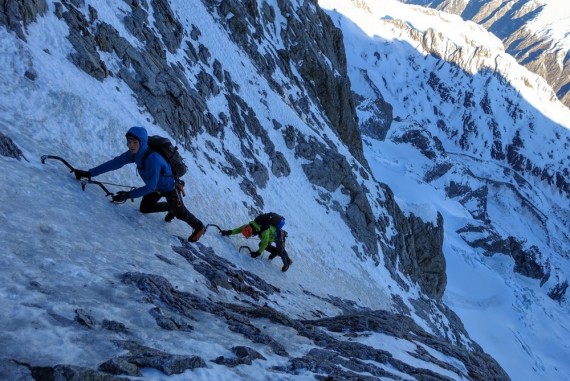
[[155, 172]]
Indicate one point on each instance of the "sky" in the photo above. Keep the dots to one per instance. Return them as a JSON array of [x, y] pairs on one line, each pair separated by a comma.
[[72, 245]]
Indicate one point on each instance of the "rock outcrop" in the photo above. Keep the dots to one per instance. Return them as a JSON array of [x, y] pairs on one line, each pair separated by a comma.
[[336, 350]]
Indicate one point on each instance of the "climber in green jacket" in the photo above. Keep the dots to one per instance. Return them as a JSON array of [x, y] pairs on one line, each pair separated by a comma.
[[268, 226]]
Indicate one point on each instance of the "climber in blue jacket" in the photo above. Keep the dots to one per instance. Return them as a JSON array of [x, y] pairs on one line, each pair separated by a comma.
[[156, 173]]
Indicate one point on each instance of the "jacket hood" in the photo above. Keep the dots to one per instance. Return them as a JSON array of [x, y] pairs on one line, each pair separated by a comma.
[[139, 132]]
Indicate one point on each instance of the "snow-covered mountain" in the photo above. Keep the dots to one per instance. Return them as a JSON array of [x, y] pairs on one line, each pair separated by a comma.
[[490, 133], [405, 161], [535, 32]]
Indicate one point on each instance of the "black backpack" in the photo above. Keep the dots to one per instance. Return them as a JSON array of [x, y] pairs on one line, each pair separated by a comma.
[[165, 148], [266, 219]]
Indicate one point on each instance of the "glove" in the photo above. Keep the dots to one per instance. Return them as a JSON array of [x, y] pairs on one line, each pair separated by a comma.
[[121, 196], [81, 173], [255, 254], [226, 232]]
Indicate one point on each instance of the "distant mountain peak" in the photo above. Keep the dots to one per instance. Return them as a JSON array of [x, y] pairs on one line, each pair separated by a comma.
[[534, 33]]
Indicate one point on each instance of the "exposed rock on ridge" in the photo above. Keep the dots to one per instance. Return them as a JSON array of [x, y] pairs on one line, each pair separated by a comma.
[[312, 45], [17, 15], [508, 21]]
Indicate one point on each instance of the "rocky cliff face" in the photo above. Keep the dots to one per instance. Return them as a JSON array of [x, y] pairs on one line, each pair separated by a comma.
[[310, 44], [508, 21]]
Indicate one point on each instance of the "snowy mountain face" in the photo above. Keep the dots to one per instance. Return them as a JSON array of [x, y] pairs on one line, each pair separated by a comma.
[[473, 127], [478, 107], [397, 156], [534, 32]]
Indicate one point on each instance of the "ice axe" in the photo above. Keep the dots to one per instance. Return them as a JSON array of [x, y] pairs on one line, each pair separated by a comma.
[[84, 182]]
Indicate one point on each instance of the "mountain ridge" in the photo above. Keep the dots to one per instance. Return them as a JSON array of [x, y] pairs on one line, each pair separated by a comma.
[[540, 46]]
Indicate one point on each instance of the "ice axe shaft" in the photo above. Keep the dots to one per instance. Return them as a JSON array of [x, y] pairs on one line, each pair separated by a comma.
[[84, 182]]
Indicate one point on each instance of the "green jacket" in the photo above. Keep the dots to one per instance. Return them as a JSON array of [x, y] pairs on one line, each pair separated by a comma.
[[267, 236]]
